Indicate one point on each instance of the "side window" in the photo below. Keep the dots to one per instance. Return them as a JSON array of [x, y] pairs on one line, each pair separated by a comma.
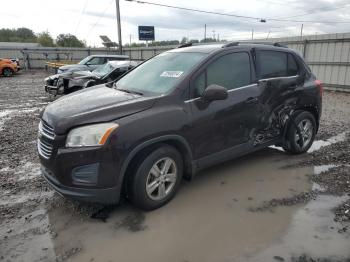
[[96, 61], [230, 71], [117, 59], [271, 64], [292, 66]]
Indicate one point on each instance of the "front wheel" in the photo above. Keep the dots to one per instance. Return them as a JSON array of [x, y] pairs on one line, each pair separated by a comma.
[[7, 72], [298, 143], [156, 178]]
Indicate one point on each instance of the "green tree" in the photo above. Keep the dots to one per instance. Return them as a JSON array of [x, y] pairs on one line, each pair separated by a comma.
[[26, 35], [68, 40], [17, 35], [45, 39], [184, 40], [209, 40]]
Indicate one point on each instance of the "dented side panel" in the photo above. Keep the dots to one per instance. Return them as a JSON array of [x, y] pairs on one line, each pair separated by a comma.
[[279, 100]]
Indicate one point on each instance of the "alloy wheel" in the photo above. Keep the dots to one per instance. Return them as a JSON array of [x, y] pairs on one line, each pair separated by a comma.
[[161, 179], [306, 130]]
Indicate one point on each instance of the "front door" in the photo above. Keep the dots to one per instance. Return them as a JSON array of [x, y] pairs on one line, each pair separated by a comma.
[[221, 125]]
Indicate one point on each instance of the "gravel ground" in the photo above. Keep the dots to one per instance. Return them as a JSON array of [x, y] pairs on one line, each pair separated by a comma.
[[23, 190]]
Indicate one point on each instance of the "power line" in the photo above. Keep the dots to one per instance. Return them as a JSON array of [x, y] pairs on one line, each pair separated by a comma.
[[193, 10], [81, 14], [238, 16], [99, 18]]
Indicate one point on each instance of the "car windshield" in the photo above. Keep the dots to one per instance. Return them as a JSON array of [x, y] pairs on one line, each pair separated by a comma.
[[103, 70], [85, 60], [160, 74]]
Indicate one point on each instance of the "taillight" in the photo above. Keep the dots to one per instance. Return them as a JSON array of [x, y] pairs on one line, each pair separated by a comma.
[[319, 85]]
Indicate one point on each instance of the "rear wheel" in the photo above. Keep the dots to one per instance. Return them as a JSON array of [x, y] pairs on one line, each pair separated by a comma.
[[299, 143], [156, 178], [7, 71]]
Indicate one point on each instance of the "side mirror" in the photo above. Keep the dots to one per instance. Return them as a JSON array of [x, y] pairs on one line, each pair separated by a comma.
[[215, 92]]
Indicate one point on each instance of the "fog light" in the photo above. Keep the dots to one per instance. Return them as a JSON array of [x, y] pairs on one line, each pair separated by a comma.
[[85, 175]]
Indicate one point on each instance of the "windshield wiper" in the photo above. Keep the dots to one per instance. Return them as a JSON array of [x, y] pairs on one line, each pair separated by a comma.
[[129, 91]]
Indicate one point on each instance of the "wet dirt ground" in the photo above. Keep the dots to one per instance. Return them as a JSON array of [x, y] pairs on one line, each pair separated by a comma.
[[268, 206]]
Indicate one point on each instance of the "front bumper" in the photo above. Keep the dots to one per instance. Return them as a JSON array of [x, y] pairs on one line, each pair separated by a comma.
[[103, 196], [86, 174], [51, 89]]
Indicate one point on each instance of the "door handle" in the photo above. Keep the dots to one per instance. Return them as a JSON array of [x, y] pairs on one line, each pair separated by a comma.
[[251, 100]]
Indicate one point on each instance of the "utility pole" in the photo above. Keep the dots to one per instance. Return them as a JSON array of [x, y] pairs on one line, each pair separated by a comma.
[[252, 33], [213, 34], [301, 31], [119, 27], [130, 40], [205, 32], [268, 34]]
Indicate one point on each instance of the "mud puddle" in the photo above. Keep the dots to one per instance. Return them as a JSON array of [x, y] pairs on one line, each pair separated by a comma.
[[312, 232], [209, 220]]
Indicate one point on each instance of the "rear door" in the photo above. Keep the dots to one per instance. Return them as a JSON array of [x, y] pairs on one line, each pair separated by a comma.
[[280, 81], [221, 125]]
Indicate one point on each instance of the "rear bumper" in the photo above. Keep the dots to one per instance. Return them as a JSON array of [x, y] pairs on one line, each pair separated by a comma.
[[102, 196]]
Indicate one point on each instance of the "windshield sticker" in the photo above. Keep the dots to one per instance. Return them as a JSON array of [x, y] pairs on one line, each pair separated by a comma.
[[174, 74]]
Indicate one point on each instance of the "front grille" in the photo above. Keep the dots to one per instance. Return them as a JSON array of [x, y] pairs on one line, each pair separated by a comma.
[[46, 130], [46, 135], [45, 149]]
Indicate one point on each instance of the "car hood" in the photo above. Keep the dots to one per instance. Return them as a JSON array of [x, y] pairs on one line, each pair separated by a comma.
[[71, 74], [93, 105], [83, 74]]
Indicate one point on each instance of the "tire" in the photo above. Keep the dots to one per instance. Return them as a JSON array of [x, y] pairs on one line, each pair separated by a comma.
[[151, 185], [306, 121], [7, 72]]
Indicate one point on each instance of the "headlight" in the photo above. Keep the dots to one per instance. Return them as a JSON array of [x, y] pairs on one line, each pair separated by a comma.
[[92, 135]]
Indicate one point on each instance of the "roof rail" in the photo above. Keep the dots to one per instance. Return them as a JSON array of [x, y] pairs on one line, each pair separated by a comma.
[[185, 45], [253, 42], [230, 44]]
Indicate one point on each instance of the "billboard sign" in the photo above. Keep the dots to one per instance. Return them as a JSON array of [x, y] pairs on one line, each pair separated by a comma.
[[146, 33]]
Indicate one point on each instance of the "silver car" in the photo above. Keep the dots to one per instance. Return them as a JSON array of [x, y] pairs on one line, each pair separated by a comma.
[[90, 63]]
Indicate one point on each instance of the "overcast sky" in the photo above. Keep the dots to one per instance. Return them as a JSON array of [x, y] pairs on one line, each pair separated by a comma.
[[90, 18]]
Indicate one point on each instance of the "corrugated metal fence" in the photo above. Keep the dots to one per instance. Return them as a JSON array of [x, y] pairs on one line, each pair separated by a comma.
[[328, 55]]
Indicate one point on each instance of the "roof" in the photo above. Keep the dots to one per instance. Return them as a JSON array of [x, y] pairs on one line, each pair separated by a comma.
[[118, 64], [209, 48], [115, 56], [199, 48]]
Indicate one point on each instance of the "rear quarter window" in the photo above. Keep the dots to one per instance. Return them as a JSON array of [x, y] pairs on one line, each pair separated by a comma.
[[276, 64]]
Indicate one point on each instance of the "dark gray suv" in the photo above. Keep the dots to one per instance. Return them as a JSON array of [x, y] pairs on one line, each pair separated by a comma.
[[175, 114]]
